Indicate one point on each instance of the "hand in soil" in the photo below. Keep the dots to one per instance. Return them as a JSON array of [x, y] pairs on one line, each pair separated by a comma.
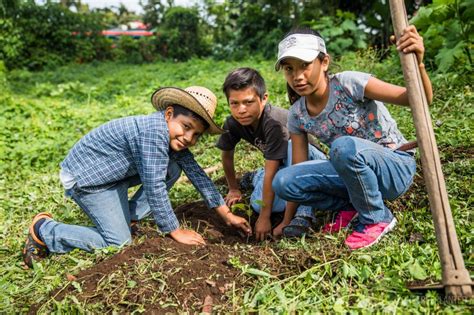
[[187, 237], [238, 222], [278, 230], [263, 227], [232, 197]]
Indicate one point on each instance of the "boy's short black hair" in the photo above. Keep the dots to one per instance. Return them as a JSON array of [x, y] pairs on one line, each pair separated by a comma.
[[242, 78], [180, 110]]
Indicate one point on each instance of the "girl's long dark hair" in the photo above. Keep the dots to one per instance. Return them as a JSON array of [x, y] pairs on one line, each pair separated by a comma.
[[292, 95]]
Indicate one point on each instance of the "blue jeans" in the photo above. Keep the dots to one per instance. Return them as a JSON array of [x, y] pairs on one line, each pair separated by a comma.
[[359, 173], [279, 204], [111, 213]]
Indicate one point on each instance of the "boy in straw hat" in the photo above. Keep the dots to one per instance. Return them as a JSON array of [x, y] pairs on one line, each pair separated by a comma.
[[149, 150]]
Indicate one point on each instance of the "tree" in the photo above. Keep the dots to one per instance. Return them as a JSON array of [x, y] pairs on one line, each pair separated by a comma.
[[154, 11]]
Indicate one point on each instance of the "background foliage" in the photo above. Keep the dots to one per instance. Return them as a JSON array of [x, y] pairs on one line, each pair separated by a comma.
[[36, 36]]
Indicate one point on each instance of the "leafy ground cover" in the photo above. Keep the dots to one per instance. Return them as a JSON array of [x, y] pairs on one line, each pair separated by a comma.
[[43, 114]]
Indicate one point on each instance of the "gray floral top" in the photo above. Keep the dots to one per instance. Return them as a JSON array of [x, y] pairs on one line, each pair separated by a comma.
[[347, 113]]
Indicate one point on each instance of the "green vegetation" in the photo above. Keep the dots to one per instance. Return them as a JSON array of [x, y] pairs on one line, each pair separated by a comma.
[[36, 36], [43, 114]]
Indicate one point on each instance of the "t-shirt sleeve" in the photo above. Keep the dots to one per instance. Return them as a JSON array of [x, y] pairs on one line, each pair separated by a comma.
[[354, 82], [293, 120], [276, 147], [227, 141]]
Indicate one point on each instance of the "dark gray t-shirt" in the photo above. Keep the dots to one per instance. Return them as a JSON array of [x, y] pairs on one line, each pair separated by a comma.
[[347, 113], [270, 137]]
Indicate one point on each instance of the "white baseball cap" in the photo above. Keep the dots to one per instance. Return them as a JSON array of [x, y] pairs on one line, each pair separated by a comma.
[[305, 47]]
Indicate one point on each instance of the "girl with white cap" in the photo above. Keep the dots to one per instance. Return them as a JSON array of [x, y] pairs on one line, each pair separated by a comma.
[[346, 112]]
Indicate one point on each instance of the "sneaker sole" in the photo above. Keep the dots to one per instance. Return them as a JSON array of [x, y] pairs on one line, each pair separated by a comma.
[[31, 230], [387, 229]]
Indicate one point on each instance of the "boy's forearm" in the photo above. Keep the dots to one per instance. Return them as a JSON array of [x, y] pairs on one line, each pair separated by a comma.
[[268, 195], [223, 211], [229, 170]]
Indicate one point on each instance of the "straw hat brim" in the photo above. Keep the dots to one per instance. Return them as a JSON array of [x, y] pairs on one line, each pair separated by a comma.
[[166, 96]]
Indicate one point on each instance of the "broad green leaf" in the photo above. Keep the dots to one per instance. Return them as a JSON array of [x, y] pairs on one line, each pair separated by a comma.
[[339, 306], [447, 56], [257, 272], [416, 271]]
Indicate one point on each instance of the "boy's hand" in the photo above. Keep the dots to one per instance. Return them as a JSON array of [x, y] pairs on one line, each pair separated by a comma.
[[278, 230], [411, 41], [187, 237], [263, 227], [232, 197], [238, 222]]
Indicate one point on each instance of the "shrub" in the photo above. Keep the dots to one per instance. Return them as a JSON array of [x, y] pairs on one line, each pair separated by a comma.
[[50, 35], [448, 33], [179, 37], [340, 32]]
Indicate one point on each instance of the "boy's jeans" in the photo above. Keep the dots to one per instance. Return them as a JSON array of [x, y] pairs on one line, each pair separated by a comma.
[[111, 212], [279, 204], [359, 172]]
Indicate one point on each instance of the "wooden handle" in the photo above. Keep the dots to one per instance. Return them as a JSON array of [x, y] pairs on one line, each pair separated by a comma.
[[455, 275]]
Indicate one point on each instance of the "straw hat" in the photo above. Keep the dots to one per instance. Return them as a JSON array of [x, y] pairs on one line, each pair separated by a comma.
[[195, 98]]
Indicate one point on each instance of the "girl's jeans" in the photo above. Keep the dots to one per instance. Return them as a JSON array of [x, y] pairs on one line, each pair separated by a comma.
[[279, 204], [359, 172], [111, 212]]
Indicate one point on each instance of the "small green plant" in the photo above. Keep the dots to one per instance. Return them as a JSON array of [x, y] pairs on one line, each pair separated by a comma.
[[244, 207]]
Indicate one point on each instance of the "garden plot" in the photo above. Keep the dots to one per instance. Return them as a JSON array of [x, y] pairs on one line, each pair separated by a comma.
[[157, 274]]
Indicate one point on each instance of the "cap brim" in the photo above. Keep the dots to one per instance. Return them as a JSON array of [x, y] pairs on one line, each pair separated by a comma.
[[166, 96], [307, 55]]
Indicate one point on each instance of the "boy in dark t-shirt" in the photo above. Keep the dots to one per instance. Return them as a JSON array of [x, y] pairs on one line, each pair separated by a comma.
[[264, 126]]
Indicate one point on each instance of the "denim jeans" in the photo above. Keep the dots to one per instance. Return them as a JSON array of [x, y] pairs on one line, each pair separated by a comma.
[[359, 173], [279, 204], [111, 213]]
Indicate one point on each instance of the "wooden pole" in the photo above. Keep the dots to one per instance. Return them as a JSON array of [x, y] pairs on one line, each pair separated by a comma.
[[456, 279]]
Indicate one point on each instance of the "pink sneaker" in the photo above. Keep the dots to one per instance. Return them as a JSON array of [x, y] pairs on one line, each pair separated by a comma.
[[372, 234], [343, 219]]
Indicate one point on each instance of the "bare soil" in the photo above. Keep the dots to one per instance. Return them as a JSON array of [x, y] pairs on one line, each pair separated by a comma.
[[159, 275]]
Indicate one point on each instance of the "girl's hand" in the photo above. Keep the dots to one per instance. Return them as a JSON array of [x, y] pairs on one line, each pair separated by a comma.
[[278, 230], [187, 237], [411, 41]]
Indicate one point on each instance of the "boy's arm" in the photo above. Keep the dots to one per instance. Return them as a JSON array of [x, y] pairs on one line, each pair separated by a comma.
[[234, 194], [409, 42], [208, 191], [263, 225]]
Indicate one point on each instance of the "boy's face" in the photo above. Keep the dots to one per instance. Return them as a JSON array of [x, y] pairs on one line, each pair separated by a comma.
[[246, 106], [184, 130]]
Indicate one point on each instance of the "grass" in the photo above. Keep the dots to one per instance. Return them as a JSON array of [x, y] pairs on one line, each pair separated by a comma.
[[43, 114]]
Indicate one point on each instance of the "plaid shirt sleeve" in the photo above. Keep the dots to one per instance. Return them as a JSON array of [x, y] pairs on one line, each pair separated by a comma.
[[199, 179], [153, 158]]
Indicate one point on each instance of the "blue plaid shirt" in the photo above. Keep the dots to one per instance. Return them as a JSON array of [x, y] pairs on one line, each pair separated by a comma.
[[136, 145]]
